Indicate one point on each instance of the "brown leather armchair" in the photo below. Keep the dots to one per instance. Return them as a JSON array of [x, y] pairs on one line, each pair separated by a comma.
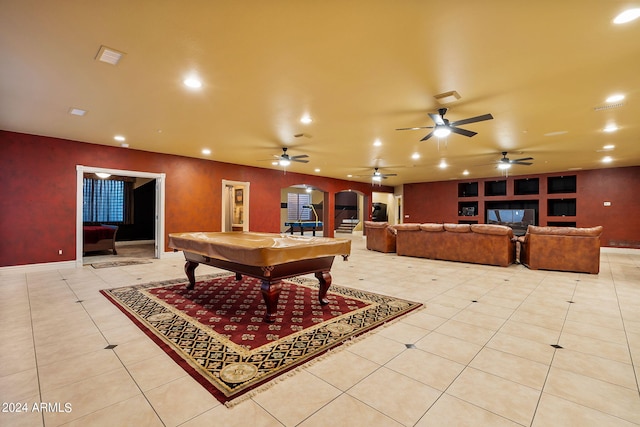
[[561, 248], [381, 236]]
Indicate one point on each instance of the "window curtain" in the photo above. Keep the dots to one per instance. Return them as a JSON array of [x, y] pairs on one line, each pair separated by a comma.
[[107, 201]]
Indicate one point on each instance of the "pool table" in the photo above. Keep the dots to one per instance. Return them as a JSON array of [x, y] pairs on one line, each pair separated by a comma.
[[303, 225], [269, 257]]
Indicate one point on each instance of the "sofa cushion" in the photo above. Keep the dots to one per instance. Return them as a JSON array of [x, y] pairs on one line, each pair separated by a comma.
[[566, 231], [432, 227], [458, 228], [407, 227], [374, 224], [495, 229]]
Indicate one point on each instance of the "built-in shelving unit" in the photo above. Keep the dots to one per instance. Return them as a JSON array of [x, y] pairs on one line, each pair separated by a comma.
[[554, 199]]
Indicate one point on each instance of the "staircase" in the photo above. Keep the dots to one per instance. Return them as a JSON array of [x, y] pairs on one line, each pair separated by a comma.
[[347, 226]]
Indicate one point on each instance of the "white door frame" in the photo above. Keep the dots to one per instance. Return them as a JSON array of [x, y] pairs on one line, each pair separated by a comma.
[[160, 201], [245, 202]]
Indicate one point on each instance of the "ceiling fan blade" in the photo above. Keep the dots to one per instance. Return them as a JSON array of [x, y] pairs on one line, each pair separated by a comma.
[[293, 159], [473, 120], [389, 174], [437, 119], [522, 159], [427, 137], [464, 132], [416, 128], [515, 162], [299, 156]]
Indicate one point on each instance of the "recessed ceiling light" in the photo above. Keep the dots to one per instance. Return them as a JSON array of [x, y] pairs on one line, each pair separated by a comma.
[[77, 112], [465, 172], [192, 82], [443, 164], [415, 156], [615, 98], [608, 147], [610, 128], [306, 119], [349, 176], [206, 151], [119, 138], [317, 170], [627, 16], [108, 55], [377, 143], [607, 159]]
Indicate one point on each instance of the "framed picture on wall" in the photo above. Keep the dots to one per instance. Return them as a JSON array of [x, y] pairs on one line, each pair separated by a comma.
[[239, 195]]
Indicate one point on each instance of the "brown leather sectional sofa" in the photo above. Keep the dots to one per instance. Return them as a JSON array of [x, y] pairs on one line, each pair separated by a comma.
[[381, 236], [475, 243], [561, 248]]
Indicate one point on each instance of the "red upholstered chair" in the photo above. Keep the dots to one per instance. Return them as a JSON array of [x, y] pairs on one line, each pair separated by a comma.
[[381, 236]]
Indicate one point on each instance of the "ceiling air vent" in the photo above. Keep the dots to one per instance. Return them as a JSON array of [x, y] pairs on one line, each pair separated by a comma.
[[447, 97], [108, 55], [608, 106]]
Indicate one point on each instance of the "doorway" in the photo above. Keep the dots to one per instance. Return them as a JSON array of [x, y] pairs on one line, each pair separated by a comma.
[[235, 205], [159, 205]]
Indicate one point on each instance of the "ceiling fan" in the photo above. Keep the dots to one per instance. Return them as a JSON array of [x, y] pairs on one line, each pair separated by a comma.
[[285, 160], [378, 176], [443, 127], [505, 162]]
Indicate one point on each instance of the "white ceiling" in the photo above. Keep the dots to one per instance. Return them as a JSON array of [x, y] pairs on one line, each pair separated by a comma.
[[359, 68]]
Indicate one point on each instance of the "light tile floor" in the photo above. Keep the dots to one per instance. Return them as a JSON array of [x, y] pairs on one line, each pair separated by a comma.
[[480, 353]]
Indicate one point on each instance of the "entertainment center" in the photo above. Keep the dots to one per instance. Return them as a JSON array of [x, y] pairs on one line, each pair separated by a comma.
[[519, 202]]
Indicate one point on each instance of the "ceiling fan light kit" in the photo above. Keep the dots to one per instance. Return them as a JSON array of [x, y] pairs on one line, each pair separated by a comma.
[[443, 127]]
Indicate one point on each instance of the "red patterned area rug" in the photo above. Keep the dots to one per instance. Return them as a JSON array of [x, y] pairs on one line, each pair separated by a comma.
[[217, 334]]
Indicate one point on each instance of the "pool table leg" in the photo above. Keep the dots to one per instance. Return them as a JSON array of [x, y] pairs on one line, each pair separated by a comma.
[[190, 269], [271, 293], [324, 277]]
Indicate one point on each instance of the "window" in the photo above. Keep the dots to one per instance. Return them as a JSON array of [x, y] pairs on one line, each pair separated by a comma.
[[296, 209], [107, 200]]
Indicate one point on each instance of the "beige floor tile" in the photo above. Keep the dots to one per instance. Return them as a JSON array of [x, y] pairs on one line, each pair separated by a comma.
[[304, 394], [508, 399], [596, 367], [180, 400], [427, 321], [20, 385], [403, 333], [243, 414], [466, 332], [530, 332], [603, 396], [532, 350], [475, 318], [21, 413], [17, 355], [555, 411], [67, 349], [511, 367], [449, 347], [136, 351], [428, 368], [347, 411], [617, 336], [77, 369], [399, 397], [342, 368], [596, 347], [451, 411], [131, 412], [90, 395], [377, 348], [155, 371]]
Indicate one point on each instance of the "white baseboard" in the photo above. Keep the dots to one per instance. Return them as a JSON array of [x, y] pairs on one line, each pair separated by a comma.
[[610, 250], [30, 268]]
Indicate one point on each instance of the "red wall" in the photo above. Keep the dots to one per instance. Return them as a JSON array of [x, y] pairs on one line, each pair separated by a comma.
[[438, 202], [38, 192]]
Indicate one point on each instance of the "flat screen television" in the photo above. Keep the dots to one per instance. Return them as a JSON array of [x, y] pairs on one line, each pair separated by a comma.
[[517, 219]]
